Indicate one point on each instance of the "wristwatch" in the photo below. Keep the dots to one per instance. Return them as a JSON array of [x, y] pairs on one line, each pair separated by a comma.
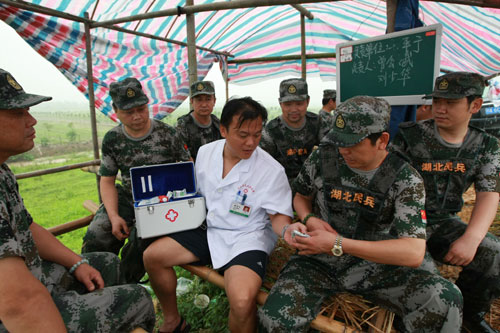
[[337, 247]]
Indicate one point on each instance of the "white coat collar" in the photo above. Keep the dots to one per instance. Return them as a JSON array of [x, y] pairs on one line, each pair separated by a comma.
[[240, 167]]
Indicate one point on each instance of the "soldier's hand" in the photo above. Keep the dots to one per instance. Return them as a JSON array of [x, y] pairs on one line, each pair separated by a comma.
[[315, 223], [119, 228], [89, 276], [321, 241], [461, 252]]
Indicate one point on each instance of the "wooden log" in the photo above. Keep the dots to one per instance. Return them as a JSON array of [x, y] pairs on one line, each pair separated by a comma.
[[90, 206], [321, 323], [70, 226], [76, 224]]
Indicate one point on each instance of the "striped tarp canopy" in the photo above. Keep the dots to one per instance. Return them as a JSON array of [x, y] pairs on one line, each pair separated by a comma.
[[471, 41]]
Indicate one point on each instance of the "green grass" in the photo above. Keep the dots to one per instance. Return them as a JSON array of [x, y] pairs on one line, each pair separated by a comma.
[[57, 198]]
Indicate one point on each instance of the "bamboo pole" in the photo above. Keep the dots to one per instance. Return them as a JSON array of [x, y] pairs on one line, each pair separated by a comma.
[[168, 40], [191, 41], [235, 4], [56, 170], [304, 11], [226, 78], [43, 10], [303, 46], [283, 58], [90, 85]]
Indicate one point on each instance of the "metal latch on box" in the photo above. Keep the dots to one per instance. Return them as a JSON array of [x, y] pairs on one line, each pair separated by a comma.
[[151, 210], [191, 203]]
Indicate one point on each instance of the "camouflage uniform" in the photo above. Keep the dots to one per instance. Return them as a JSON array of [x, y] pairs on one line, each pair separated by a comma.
[[116, 308], [448, 171], [291, 146], [384, 203], [324, 114], [190, 130], [327, 95], [120, 153], [194, 134]]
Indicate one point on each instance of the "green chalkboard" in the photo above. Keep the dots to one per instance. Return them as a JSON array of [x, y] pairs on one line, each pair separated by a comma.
[[400, 67]]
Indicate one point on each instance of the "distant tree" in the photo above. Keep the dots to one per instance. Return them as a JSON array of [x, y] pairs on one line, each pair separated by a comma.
[[71, 134], [44, 141]]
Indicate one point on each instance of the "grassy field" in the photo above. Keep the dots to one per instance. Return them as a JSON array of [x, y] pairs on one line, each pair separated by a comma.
[[57, 198]]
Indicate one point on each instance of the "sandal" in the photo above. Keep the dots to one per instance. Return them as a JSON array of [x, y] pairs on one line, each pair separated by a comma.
[[179, 328]]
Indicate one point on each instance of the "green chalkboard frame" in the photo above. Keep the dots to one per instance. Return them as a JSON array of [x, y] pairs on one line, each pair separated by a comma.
[[400, 67]]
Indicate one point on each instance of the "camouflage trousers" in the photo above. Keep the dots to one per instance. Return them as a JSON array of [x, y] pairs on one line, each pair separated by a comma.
[[425, 301], [480, 280], [115, 308], [100, 239]]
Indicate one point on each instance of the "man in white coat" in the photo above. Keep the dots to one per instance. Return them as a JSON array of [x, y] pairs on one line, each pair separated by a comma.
[[249, 203]]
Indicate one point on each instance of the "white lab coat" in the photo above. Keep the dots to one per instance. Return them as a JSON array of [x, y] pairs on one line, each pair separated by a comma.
[[264, 181]]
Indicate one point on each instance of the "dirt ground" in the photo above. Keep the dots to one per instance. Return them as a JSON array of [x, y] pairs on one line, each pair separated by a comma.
[[469, 199]]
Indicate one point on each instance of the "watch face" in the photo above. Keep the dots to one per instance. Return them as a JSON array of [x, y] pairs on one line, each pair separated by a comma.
[[337, 251]]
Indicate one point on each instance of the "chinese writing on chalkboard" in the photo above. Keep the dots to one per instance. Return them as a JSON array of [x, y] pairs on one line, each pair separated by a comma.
[[392, 61]]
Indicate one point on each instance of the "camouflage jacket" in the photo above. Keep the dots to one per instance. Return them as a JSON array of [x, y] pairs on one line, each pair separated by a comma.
[[387, 205], [195, 135], [16, 239], [449, 170], [292, 147], [121, 152], [325, 115]]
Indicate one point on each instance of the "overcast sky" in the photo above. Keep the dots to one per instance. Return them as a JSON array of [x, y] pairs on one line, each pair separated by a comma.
[[39, 76]]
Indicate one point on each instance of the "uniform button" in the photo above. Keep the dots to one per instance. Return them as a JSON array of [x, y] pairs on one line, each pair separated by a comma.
[[211, 215], [219, 190]]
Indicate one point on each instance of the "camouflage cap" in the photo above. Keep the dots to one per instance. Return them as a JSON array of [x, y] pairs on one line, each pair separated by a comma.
[[329, 94], [12, 95], [127, 94], [202, 88], [357, 118], [293, 90], [458, 85]]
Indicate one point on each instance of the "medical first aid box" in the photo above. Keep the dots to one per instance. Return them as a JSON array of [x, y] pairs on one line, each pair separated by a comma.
[[165, 199]]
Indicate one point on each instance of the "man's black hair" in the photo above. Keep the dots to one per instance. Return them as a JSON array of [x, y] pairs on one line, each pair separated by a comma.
[[374, 137], [245, 107], [325, 101], [471, 98]]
